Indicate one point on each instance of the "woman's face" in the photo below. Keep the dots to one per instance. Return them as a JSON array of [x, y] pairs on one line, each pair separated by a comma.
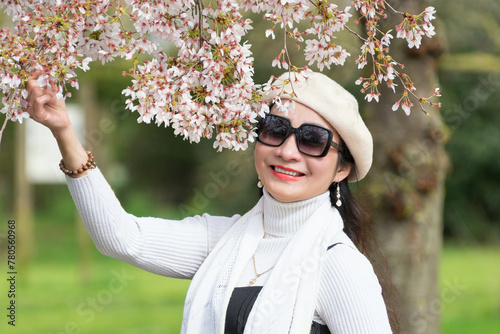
[[289, 175]]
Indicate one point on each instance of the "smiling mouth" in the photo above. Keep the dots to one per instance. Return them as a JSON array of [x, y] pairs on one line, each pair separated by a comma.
[[286, 171]]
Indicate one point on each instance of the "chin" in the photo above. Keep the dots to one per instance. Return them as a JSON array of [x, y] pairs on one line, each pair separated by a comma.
[[285, 197]]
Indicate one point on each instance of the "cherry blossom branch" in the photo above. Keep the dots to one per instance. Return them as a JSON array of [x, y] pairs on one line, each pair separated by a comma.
[[207, 88], [199, 6], [3, 128], [412, 28], [355, 33], [392, 8]]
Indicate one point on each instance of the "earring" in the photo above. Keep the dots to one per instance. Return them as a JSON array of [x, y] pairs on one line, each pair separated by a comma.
[[339, 202], [259, 184]]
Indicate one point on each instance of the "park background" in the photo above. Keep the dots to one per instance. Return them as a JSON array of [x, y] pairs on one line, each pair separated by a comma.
[[65, 286]]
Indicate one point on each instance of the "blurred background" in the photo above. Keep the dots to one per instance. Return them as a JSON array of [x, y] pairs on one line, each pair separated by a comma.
[[65, 286]]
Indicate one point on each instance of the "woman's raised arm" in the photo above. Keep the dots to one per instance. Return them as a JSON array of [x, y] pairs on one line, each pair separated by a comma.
[[166, 247]]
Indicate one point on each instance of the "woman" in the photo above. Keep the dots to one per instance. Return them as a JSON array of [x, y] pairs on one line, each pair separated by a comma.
[[289, 265]]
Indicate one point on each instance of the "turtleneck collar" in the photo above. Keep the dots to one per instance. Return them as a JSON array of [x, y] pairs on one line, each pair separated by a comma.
[[284, 219]]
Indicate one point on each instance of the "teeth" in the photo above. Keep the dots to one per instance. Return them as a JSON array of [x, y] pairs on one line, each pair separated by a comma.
[[280, 170]]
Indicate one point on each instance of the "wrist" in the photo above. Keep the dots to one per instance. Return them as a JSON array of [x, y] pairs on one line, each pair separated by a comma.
[[81, 170], [64, 133], [73, 154]]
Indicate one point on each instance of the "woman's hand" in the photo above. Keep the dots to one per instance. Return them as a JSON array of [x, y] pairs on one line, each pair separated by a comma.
[[44, 107]]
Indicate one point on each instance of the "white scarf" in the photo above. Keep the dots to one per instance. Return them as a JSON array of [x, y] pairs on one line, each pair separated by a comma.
[[287, 301]]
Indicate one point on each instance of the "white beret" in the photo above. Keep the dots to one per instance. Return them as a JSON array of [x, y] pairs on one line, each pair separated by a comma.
[[337, 106]]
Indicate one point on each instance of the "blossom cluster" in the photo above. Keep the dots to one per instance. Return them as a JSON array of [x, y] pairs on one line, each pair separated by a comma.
[[325, 21], [56, 37], [208, 86], [375, 50], [205, 88]]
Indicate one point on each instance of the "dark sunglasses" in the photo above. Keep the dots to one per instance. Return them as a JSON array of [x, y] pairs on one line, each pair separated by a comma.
[[312, 140]]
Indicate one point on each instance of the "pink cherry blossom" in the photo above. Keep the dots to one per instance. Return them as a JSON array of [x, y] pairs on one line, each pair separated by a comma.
[[205, 87]]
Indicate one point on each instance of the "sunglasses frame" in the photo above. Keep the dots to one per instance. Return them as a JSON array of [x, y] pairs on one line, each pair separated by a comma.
[[291, 129]]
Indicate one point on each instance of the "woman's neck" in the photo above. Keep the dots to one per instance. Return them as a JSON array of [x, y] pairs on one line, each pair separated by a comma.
[[284, 219]]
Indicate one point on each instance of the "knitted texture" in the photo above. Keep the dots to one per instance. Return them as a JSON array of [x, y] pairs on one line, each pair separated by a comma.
[[349, 298]]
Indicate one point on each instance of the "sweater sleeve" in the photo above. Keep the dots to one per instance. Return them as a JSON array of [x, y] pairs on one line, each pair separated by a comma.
[[174, 248], [350, 296]]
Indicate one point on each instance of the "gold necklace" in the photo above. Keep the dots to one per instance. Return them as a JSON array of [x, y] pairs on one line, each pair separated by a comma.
[[252, 282]]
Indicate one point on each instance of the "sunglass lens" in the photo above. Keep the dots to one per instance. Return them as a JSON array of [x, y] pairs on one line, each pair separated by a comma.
[[273, 131], [313, 140]]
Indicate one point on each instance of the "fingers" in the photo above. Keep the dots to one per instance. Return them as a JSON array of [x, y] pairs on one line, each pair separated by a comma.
[[34, 75], [37, 92], [36, 107], [40, 101], [43, 106], [54, 87], [32, 81]]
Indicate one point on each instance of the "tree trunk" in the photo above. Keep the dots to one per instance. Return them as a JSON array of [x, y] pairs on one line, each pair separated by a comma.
[[407, 187]]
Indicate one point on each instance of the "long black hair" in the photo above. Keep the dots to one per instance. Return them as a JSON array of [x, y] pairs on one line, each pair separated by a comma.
[[357, 224], [359, 227]]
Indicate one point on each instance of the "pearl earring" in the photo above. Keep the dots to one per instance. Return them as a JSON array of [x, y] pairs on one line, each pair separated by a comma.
[[339, 202], [259, 184]]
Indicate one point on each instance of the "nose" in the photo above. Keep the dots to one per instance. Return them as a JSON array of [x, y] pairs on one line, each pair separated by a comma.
[[289, 150]]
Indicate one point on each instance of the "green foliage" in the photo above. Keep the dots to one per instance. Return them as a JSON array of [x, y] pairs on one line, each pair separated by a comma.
[[472, 192], [470, 109], [470, 26]]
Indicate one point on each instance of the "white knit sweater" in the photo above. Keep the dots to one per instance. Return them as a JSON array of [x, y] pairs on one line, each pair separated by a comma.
[[350, 299]]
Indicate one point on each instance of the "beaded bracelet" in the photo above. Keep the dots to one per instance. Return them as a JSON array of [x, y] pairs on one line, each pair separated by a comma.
[[89, 165]]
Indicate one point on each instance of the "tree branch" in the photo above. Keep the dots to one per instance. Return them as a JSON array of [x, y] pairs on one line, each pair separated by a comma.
[[200, 7], [3, 128]]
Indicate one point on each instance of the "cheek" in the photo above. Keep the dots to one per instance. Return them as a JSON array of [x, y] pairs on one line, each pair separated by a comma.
[[258, 156], [325, 169]]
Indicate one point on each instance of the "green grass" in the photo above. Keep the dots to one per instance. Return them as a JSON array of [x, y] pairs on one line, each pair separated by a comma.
[[470, 290], [117, 298]]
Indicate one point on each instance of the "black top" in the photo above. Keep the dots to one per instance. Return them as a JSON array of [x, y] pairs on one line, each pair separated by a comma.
[[240, 305]]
